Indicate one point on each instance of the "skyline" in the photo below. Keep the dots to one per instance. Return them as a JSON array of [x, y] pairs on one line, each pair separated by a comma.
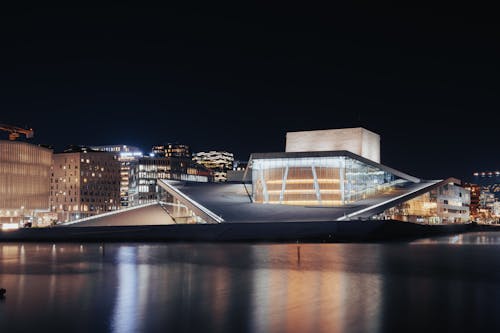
[[238, 78]]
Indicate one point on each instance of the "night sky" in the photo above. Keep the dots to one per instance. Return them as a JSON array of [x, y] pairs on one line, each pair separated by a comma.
[[237, 78]]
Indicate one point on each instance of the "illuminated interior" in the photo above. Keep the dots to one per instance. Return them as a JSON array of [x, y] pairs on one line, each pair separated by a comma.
[[318, 181], [446, 204]]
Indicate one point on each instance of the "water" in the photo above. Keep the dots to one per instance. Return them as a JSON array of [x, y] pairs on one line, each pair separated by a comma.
[[449, 284]]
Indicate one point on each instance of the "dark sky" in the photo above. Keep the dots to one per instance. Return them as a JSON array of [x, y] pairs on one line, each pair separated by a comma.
[[238, 77]]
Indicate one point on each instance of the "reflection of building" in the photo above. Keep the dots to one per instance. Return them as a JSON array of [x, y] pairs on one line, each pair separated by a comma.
[[217, 161], [150, 169], [128, 157], [339, 184], [24, 184], [84, 182], [172, 150]]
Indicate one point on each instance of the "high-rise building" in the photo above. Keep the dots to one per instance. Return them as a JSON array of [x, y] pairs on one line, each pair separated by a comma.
[[24, 184], [171, 150], [217, 161], [150, 169], [84, 182], [128, 157]]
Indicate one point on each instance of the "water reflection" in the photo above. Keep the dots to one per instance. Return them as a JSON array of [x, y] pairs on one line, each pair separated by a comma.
[[475, 238], [305, 300], [124, 313], [421, 287]]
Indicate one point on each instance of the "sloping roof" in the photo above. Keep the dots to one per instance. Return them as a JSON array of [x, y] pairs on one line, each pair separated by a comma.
[[231, 202], [394, 201], [148, 214]]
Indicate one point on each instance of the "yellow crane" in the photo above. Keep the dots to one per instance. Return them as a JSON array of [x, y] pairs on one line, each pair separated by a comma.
[[15, 132]]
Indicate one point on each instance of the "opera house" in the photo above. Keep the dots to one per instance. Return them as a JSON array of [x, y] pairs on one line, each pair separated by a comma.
[[324, 175]]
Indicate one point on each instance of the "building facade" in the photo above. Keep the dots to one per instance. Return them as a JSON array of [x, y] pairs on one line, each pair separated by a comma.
[[128, 157], [150, 169], [475, 200], [84, 183], [445, 204], [489, 181], [359, 141], [220, 162], [171, 150], [316, 179], [24, 184]]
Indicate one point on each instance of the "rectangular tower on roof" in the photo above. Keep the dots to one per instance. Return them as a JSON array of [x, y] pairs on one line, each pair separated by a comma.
[[357, 140]]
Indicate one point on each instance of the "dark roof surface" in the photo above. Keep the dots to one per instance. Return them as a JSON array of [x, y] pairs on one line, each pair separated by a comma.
[[232, 203]]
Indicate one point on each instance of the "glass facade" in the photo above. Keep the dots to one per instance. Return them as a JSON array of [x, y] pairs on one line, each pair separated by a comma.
[[150, 169], [180, 213], [320, 181], [448, 203], [127, 156]]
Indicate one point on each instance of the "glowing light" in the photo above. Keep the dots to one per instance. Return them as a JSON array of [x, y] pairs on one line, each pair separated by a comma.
[[304, 181], [10, 226]]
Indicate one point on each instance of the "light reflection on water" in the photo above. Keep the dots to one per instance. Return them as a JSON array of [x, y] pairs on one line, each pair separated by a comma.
[[432, 285], [473, 238]]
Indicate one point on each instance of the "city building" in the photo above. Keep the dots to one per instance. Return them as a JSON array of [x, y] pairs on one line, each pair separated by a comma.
[[475, 200], [325, 185], [128, 157], [220, 162], [489, 181], [150, 169], [24, 184], [84, 182], [171, 150]]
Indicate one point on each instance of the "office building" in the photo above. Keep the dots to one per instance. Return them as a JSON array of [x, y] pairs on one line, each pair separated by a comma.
[[128, 157], [84, 182], [150, 169]]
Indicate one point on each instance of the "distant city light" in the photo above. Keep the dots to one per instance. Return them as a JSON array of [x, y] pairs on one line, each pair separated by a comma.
[[131, 154], [10, 226]]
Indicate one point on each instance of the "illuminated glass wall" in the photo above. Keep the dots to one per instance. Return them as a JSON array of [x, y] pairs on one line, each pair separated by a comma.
[[448, 203], [322, 181], [24, 181]]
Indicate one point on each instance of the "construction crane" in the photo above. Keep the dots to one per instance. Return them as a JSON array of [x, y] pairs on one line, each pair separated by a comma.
[[15, 132]]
